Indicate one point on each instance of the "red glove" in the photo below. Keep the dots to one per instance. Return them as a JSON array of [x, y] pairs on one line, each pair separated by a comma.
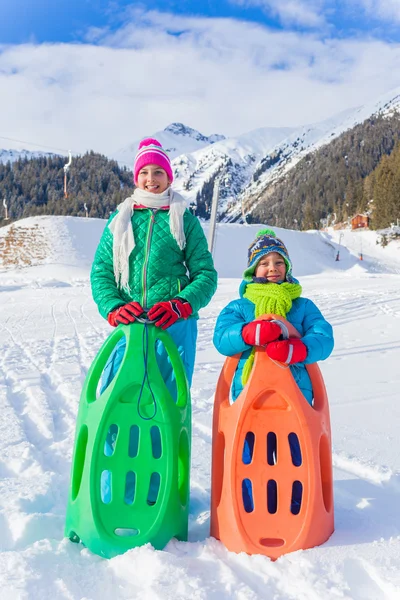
[[125, 314], [288, 351], [166, 314], [259, 333]]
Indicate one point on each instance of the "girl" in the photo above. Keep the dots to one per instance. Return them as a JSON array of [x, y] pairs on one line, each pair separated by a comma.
[[153, 259]]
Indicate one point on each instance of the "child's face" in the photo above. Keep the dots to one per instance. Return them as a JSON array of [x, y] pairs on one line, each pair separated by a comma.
[[153, 178], [272, 267]]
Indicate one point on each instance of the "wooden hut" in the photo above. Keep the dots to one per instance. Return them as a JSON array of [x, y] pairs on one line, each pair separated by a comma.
[[359, 222]]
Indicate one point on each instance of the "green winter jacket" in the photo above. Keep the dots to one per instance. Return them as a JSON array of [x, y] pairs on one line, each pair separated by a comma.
[[158, 269]]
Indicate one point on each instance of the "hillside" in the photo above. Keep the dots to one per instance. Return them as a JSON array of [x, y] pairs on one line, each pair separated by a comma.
[[330, 180], [251, 166], [67, 244]]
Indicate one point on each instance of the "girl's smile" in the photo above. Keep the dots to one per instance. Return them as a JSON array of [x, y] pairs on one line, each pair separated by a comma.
[[153, 178]]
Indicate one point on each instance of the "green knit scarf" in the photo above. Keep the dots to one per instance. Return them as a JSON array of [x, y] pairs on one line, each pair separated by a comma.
[[269, 298]]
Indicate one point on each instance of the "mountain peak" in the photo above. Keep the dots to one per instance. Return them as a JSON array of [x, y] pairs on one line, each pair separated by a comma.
[[180, 129], [184, 130]]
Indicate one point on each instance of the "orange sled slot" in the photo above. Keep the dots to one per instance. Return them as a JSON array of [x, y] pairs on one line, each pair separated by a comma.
[[280, 499]]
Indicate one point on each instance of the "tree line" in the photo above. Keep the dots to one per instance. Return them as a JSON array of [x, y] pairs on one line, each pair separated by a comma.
[[36, 186]]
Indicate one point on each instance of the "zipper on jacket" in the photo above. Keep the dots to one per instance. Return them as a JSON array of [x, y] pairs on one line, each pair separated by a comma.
[[147, 255]]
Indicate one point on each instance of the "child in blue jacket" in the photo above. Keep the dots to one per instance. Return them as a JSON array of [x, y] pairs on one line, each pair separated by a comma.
[[268, 286]]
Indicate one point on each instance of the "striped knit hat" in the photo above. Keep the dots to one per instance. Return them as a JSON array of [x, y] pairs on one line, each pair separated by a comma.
[[151, 152], [266, 242]]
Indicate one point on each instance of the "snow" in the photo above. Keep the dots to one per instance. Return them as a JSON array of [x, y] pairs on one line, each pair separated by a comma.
[[11, 155], [50, 333]]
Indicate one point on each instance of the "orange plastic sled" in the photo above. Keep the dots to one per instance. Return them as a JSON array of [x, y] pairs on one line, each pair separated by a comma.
[[271, 412]]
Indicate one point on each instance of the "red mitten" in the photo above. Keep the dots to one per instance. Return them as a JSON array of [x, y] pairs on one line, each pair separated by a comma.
[[125, 314], [166, 314], [288, 351], [259, 333]]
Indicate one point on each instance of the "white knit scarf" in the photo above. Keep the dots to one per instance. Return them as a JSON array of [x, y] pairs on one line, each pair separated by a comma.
[[121, 228]]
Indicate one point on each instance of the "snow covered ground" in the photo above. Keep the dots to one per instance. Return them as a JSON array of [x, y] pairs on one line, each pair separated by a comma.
[[50, 332]]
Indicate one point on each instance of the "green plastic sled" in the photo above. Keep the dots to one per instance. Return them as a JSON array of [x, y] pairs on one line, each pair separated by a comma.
[[146, 465]]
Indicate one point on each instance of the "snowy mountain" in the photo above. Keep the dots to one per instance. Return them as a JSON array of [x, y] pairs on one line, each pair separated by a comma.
[[176, 139], [50, 334], [249, 163], [233, 159], [13, 155]]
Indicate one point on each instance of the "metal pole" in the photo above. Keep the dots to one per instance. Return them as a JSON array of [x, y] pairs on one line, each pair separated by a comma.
[[213, 217], [338, 252], [66, 167], [6, 209]]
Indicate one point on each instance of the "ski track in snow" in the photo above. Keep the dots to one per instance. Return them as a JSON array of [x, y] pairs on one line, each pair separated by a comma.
[[48, 339]]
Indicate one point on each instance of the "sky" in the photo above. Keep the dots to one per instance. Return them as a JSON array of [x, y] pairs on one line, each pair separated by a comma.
[[98, 74]]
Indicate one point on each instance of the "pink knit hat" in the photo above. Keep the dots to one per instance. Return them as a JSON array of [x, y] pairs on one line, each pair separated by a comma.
[[151, 153]]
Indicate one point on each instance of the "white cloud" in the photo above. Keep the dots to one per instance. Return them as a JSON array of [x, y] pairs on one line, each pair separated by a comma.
[[386, 10], [306, 13], [217, 75]]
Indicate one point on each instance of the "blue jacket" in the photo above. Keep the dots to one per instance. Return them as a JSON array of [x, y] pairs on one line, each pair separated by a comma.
[[316, 334]]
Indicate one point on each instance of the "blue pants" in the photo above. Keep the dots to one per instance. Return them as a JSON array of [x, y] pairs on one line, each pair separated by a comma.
[[184, 334]]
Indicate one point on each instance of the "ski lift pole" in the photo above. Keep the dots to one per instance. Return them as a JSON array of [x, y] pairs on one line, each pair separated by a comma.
[[340, 242], [66, 168], [5, 209], [213, 217]]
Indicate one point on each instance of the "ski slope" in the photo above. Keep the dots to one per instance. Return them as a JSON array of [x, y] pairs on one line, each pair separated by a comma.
[[50, 332]]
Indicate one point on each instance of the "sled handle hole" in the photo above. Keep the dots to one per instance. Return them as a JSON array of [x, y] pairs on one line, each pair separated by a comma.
[[154, 488], [272, 496], [79, 460], [111, 440], [272, 449], [126, 532], [105, 486], [133, 446], [155, 437], [295, 449], [130, 487], [297, 497], [248, 448], [247, 495]]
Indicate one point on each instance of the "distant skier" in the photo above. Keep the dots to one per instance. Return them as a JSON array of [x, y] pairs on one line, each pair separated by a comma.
[[153, 260]]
